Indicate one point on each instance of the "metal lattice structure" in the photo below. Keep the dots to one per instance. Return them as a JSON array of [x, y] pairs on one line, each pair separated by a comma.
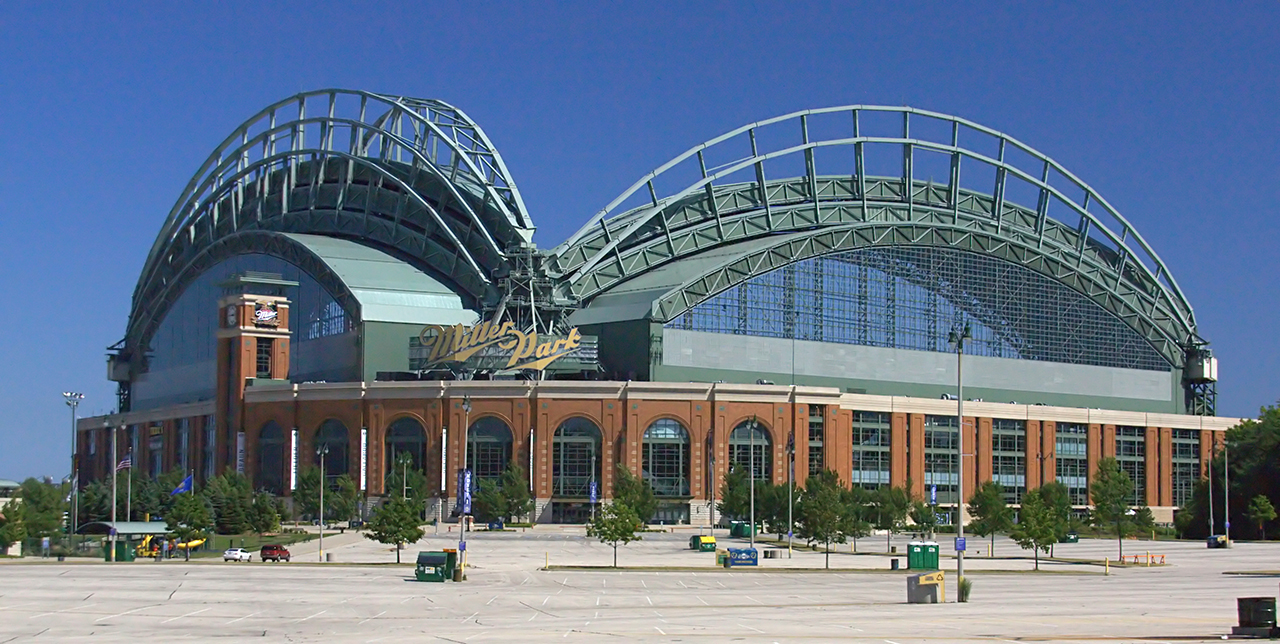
[[1032, 212], [907, 297], [416, 178]]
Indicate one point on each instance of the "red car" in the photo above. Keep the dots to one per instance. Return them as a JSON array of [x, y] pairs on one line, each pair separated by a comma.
[[274, 553]]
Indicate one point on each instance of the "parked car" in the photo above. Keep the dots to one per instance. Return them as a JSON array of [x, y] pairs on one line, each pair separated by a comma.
[[237, 554], [274, 553]]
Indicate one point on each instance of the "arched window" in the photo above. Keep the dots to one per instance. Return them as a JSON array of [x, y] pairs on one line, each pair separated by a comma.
[[406, 436], [333, 435], [271, 458], [665, 458], [488, 448], [575, 458], [750, 435]]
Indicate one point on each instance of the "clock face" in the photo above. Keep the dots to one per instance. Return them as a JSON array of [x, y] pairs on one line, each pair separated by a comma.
[[231, 315]]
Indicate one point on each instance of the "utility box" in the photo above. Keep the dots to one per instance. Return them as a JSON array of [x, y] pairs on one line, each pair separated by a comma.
[[433, 566], [926, 588]]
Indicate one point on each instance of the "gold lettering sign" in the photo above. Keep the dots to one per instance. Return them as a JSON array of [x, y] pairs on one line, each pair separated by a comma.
[[457, 343]]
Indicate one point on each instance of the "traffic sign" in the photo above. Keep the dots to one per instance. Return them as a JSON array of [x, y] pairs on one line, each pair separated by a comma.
[[960, 544]]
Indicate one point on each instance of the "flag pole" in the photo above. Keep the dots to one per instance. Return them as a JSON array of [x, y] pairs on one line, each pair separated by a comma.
[[128, 497]]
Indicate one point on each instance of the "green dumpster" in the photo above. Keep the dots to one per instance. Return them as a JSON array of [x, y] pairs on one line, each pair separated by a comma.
[[915, 555], [433, 566], [452, 555], [124, 551], [702, 543], [741, 529]]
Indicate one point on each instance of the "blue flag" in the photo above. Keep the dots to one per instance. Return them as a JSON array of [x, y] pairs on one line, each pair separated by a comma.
[[184, 486]]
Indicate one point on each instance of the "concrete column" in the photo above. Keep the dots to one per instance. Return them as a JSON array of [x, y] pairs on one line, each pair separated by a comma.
[[1048, 452], [1152, 466], [915, 455], [983, 449], [969, 447], [898, 470], [1166, 467], [1033, 455]]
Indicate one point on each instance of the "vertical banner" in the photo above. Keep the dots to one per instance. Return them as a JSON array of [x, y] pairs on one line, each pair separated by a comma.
[[364, 458], [466, 491], [240, 453], [530, 459], [444, 457], [293, 460]]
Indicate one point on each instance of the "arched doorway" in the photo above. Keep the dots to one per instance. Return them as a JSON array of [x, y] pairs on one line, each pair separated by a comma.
[[750, 435], [406, 437], [575, 463], [333, 435], [488, 448], [271, 458], [664, 463]]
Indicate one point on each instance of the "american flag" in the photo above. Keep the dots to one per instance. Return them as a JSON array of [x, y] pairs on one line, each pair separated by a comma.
[[125, 463]]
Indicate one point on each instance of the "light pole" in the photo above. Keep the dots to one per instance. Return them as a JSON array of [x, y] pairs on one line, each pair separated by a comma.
[[115, 469], [791, 486], [462, 514], [1226, 490], [752, 459], [957, 338], [322, 451], [713, 490], [73, 401]]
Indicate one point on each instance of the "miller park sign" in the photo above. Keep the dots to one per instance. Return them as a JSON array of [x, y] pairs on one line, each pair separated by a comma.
[[495, 346]]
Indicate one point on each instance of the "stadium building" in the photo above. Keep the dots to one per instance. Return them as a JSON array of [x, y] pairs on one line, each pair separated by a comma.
[[351, 276]]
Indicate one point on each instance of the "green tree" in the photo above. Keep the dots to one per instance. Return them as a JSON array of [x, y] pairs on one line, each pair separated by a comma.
[[231, 497], [189, 519], [1260, 512], [1255, 469], [1036, 527], [264, 514], [12, 529], [306, 498], [395, 522], [771, 506], [615, 524], [891, 506], [860, 508], [516, 499], [825, 513], [1057, 498], [1110, 490], [342, 500], [43, 505], [411, 483], [487, 503], [990, 514], [735, 494], [636, 494], [925, 517]]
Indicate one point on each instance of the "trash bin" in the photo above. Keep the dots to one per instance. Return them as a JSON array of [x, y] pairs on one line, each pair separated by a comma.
[[926, 588], [1256, 612], [742, 557], [497, 525], [930, 556], [915, 555], [741, 529], [721, 557], [433, 566], [1217, 541], [123, 552], [702, 543], [1070, 537], [451, 554]]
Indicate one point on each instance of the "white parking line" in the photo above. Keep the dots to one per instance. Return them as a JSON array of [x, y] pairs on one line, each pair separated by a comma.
[[303, 619], [55, 612], [374, 617], [238, 619], [654, 628], [194, 612], [132, 610]]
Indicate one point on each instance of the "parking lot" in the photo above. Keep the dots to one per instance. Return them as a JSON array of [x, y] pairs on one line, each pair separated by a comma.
[[508, 597]]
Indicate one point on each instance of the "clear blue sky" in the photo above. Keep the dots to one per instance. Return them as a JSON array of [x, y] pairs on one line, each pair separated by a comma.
[[1170, 110]]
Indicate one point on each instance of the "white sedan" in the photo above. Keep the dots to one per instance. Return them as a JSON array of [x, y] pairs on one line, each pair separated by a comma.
[[237, 554]]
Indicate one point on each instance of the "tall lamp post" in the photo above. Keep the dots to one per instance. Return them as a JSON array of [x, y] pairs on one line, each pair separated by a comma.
[[462, 514], [752, 459], [322, 452], [115, 469], [73, 401], [957, 338]]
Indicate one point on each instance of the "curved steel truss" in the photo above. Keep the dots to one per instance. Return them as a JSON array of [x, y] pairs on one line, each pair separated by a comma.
[[414, 177], [1063, 228]]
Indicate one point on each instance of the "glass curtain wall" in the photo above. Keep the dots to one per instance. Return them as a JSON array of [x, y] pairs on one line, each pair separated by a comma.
[[1071, 455], [740, 449], [665, 458], [575, 458], [270, 470], [1009, 457], [817, 429], [489, 448], [941, 467], [871, 434], [406, 436], [1186, 464], [333, 434], [1131, 453]]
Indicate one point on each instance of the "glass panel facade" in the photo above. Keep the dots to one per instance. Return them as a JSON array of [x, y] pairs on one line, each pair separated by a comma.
[[182, 362], [941, 460], [1131, 454], [271, 458], [1071, 454], [1186, 464], [904, 298], [210, 447], [665, 458], [741, 442], [184, 444], [407, 437], [817, 424], [1009, 457], [575, 458], [489, 445], [334, 436], [871, 433]]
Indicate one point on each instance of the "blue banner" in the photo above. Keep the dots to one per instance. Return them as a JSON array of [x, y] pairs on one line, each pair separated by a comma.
[[466, 491], [593, 491]]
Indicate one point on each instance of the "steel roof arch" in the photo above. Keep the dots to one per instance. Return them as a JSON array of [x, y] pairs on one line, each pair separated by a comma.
[[607, 238]]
